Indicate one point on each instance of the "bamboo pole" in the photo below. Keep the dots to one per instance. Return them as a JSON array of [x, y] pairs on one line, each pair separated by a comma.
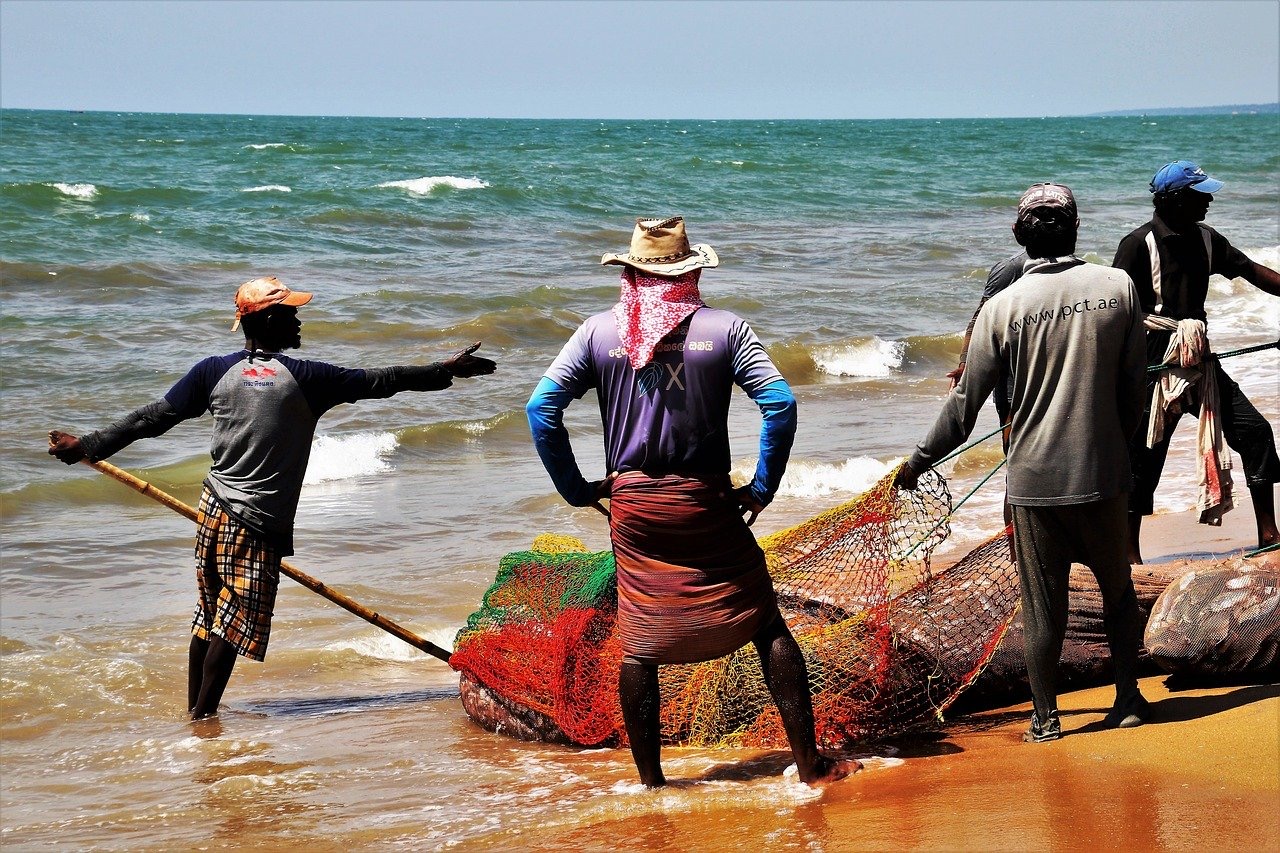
[[313, 584]]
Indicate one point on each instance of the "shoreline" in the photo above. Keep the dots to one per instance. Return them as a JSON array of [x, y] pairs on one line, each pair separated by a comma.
[[1173, 537]]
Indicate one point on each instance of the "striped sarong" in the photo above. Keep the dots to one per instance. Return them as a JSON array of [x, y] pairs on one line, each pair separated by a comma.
[[237, 574], [692, 582]]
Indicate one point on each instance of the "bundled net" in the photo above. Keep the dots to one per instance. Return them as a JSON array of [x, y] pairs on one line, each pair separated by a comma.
[[889, 642]]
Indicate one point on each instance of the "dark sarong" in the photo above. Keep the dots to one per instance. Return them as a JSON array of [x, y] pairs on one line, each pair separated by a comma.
[[692, 582]]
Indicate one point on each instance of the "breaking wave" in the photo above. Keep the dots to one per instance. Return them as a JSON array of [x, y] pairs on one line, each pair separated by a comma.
[[428, 185], [81, 191], [348, 456]]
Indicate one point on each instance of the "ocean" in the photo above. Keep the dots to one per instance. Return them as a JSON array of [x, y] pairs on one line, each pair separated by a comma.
[[856, 249]]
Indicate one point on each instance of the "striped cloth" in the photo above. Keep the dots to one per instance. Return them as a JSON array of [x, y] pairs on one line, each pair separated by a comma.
[[692, 582], [237, 574]]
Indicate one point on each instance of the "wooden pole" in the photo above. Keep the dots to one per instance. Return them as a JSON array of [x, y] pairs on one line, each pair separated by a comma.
[[301, 577]]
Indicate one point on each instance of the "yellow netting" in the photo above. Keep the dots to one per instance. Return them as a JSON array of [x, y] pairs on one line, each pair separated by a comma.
[[889, 643]]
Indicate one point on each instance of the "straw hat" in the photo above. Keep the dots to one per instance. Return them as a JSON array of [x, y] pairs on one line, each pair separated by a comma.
[[660, 246]]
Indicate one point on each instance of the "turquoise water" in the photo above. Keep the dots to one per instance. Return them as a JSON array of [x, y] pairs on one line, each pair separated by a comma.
[[856, 249]]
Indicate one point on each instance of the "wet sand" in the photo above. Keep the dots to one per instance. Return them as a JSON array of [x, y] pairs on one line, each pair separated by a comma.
[[1203, 774]]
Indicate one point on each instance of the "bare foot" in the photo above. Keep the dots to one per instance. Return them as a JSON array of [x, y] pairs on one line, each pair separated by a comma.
[[828, 770]]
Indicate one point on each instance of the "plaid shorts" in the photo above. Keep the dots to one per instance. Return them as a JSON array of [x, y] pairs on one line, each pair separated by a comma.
[[237, 574]]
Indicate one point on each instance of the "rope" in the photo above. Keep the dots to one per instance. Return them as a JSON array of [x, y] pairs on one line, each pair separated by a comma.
[[970, 445], [1273, 546], [1156, 368], [946, 518]]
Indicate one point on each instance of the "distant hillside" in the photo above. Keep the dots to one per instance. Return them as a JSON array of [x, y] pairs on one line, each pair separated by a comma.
[[1228, 109]]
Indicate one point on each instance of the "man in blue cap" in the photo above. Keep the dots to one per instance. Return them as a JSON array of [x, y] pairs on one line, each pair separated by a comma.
[[1170, 260]]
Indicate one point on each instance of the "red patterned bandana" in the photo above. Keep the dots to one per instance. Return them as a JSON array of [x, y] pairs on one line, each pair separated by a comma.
[[650, 307]]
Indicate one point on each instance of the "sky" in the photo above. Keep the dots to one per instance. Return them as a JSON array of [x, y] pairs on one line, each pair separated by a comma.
[[638, 60]]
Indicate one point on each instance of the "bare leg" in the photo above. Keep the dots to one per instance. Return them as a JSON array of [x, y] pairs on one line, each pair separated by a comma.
[[788, 680], [195, 670], [1135, 531], [215, 673], [1264, 512], [641, 703]]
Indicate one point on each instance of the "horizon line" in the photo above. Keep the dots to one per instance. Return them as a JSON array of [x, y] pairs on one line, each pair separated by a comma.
[[1266, 108]]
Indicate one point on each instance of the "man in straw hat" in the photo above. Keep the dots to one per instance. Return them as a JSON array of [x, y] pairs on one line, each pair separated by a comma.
[[1069, 333], [692, 582], [265, 406], [1170, 260]]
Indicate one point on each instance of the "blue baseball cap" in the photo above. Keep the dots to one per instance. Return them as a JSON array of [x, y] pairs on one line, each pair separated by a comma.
[[1183, 173]]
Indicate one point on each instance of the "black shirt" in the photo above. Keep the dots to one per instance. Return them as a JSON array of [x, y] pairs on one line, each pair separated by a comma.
[[1184, 268]]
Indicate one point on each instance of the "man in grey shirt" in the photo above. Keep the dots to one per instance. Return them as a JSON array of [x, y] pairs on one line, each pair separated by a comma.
[[1070, 336]]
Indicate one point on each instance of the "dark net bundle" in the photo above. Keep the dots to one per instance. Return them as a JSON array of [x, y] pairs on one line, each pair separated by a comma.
[[1223, 620], [888, 642]]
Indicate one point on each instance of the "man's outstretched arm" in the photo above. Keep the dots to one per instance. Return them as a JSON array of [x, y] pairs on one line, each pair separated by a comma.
[[148, 422]]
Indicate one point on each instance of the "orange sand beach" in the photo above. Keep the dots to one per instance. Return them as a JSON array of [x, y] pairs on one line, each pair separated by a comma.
[[1204, 774]]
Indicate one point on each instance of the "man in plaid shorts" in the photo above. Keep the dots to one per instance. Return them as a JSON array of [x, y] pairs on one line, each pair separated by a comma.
[[265, 406]]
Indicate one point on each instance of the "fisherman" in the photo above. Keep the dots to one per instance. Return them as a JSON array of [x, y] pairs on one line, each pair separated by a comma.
[[692, 582], [1170, 260], [1069, 334], [265, 406]]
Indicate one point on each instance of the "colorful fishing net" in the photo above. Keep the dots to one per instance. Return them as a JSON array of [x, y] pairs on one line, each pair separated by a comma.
[[889, 643]]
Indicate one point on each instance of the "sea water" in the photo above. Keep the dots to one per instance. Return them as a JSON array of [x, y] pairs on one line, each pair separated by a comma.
[[856, 249]]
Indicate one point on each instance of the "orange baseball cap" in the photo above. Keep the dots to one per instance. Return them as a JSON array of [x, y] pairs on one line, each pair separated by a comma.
[[253, 296]]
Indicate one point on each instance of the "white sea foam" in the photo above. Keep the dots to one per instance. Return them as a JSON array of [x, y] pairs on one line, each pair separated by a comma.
[[267, 145], [428, 185], [871, 359], [138, 216], [268, 188], [84, 191], [382, 646], [818, 479], [1237, 309], [347, 456]]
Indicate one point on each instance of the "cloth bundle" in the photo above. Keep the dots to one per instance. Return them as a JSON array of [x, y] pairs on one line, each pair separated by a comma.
[[1181, 386]]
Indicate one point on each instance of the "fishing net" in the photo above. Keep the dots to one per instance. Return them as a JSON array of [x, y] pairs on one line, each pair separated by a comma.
[[888, 641], [1218, 621]]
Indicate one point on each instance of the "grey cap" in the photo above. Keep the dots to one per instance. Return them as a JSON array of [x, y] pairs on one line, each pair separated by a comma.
[[1047, 195]]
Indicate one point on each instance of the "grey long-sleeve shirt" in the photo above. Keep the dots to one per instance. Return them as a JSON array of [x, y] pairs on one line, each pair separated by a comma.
[[1070, 335], [265, 407]]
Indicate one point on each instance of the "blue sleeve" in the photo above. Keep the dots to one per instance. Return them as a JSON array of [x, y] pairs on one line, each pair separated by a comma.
[[327, 385], [572, 369], [777, 433], [545, 411], [189, 397]]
